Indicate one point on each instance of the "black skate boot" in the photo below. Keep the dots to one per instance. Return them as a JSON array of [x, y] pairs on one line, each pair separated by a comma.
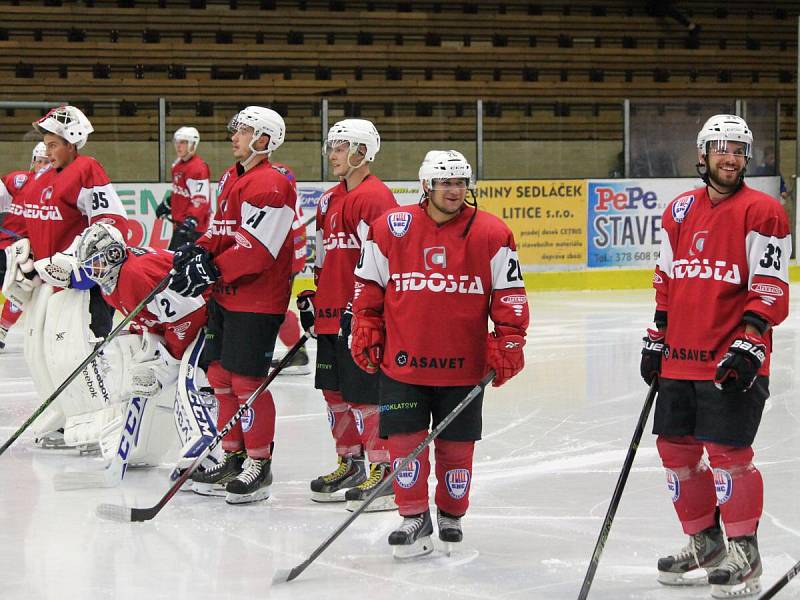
[[690, 566], [356, 496], [413, 537], [738, 576], [3, 335], [449, 530], [297, 366], [332, 487], [252, 484], [213, 481]]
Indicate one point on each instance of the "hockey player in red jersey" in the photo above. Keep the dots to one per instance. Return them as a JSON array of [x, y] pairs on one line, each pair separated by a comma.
[[11, 186], [721, 284], [443, 268], [344, 214], [246, 255], [189, 203]]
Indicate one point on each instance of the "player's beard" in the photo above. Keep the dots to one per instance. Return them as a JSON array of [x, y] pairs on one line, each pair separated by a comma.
[[724, 181]]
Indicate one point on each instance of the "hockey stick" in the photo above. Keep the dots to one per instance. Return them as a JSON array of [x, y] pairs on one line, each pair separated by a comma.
[[136, 310], [778, 585], [13, 234], [114, 472], [615, 498], [116, 512], [285, 575]]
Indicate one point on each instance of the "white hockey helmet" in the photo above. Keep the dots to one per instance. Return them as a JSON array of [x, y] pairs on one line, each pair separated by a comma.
[[356, 132], [263, 121], [445, 164], [188, 134], [67, 122], [101, 252], [39, 151], [722, 129]]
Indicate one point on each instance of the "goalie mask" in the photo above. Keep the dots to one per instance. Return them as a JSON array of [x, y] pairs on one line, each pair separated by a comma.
[[263, 121], [355, 132], [187, 134], [101, 252], [67, 122]]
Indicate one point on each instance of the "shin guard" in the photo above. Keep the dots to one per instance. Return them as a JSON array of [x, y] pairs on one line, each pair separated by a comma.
[[220, 380], [411, 485], [689, 480], [258, 423], [342, 424], [740, 489], [366, 420], [453, 475]]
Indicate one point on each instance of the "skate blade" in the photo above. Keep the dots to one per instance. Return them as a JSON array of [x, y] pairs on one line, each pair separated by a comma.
[[298, 370], [78, 481], [695, 577], [257, 496], [422, 547], [381, 504], [206, 489], [114, 512], [450, 548], [740, 590], [337, 496]]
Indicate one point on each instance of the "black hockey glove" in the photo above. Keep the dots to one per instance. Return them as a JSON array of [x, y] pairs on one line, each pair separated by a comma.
[[184, 254], [165, 208], [738, 369], [188, 227], [344, 323], [653, 350], [305, 304], [196, 276]]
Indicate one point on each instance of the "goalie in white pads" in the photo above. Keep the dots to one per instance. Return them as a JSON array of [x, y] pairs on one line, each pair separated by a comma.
[[148, 367]]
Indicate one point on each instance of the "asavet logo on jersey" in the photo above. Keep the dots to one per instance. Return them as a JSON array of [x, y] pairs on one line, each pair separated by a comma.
[[437, 282], [718, 270]]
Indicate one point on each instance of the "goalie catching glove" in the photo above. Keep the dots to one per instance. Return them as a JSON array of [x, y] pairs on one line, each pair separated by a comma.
[[738, 369], [367, 340], [504, 353]]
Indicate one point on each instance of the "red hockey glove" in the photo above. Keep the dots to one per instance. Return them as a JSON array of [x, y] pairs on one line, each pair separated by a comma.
[[652, 351], [305, 304], [738, 369], [366, 342], [504, 354]]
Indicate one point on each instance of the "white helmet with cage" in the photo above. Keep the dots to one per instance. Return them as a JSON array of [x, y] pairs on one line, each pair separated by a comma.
[[263, 121], [356, 132], [187, 134], [39, 152], [101, 252], [67, 122], [445, 164], [722, 129]]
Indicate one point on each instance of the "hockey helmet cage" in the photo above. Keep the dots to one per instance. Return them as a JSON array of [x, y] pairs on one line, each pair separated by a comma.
[[101, 252], [187, 134], [67, 122], [445, 164], [263, 121], [356, 132], [725, 128]]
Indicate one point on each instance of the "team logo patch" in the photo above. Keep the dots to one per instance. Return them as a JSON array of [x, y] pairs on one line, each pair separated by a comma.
[[723, 482], [401, 358], [222, 183], [399, 222], [767, 288], [47, 194], [680, 207], [698, 243], [408, 476], [331, 418], [359, 417], [248, 418], [657, 278], [19, 180], [673, 485], [241, 240], [323, 203], [457, 481], [434, 257], [514, 299]]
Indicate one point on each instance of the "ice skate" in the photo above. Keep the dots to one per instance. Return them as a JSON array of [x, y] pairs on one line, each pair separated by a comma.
[[3, 334], [53, 440], [691, 565], [413, 538], [213, 481], [356, 496], [738, 576], [333, 486], [449, 531], [299, 365], [252, 484]]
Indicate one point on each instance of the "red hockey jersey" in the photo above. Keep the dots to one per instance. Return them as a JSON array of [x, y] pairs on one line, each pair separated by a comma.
[[191, 191], [716, 263], [175, 318], [298, 228], [343, 219], [11, 186], [437, 289], [59, 203], [250, 239]]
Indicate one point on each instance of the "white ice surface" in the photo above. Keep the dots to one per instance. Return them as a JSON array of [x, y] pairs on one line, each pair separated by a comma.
[[554, 442]]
